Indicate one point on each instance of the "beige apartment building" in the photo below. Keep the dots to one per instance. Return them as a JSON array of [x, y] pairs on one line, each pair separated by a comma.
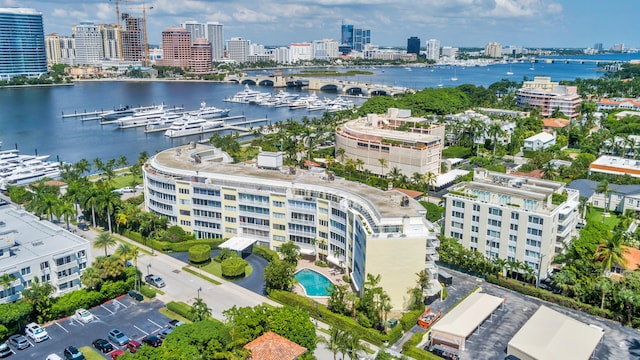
[[409, 143]]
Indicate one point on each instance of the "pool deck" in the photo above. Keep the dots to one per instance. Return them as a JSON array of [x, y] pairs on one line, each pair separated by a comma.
[[332, 273]]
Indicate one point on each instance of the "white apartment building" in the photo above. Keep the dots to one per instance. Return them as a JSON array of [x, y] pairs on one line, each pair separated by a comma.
[[433, 49], [60, 49], [300, 52], [110, 40], [361, 229], [449, 53], [89, 49], [238, 49], [493, 49], [32, 248], [376, 137], [280, 55], [512, 217], [325, 49], [539, 141], [196, 29], [547, 96]]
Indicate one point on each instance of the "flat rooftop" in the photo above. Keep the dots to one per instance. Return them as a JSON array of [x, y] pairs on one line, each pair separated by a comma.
[[616, 165], [179, 163], [468, 315], [29, 237], [366, 127]]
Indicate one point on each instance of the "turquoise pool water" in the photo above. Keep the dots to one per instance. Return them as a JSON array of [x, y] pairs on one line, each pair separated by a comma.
[[314, 283]]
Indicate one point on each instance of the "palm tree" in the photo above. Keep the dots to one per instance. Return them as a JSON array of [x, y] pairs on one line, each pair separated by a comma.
[[630, 300], [199, 310], [108, 200], [417, 179], [494, 131], [603, 188], [383, 165], [394, 174], [350, 165], [353, 345], [105, 240], [359, 165], [335, 341], [430, 180], [67, 210], [611, 253], [340, 153], [329, 160], [604, 285], [499, 263], [90, 196], [549, 170], [91, 277], [424, 280]]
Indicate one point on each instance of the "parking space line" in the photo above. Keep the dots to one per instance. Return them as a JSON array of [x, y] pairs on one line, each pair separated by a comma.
[[62, 327], [104, 307], [116, 300], [154, 323], [146, 333]]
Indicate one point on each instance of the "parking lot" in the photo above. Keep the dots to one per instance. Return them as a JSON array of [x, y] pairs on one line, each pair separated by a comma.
[[135, 319]]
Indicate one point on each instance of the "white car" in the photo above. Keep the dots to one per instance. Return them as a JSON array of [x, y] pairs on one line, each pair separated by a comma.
[[84, 316], [127, 189], [36, 332]]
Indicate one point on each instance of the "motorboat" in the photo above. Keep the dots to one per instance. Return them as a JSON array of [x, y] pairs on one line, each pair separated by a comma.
[[164, 121], [209, 112], [190, 125], [246, 96], [143, 118], [123, 111]]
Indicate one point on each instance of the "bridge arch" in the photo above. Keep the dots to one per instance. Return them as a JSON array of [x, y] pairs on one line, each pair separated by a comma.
[[248, 81], [379, 92], [333, 88], [355, 90], [266, 82]]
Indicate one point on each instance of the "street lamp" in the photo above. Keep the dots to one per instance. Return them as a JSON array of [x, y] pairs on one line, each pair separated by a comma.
[[148, 269], [199, 289]]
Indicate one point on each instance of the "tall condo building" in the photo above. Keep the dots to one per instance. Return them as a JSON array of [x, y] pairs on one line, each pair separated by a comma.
[[196, 29], [433, 49], [215, 35], [110, 40], [176, 47], [356, 38], [22, 48], [201, 61], [89, 49], [493, 49], [324, 49], [361, 229], [133, 46], [60, 49], [512, 217], [238, 49], [413, 45]]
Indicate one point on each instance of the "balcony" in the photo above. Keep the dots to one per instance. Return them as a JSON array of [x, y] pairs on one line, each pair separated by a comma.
[[433, 257], [431, 251], [67, 266], [433, 243]]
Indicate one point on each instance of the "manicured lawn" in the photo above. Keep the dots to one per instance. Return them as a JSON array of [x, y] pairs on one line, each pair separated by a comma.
[[90, 354], [595, 215], [171, 315]]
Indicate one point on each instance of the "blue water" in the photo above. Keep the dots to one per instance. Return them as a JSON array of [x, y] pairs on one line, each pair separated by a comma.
[[314, 283], [31, 117]]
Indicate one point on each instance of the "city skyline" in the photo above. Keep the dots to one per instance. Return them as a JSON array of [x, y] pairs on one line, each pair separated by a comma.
[[461, 23]]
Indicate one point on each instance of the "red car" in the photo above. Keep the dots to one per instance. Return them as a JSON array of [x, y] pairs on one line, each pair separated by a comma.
[[115, 354], [133, 346]]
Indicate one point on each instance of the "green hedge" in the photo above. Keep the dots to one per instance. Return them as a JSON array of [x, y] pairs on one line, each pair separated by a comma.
[[148, 291], [168, 246], [199, 254], [551, 297], [265, 252], [325, 315], [409, 348], [233, 267], [180, 308], [410, 319], [394, 334]]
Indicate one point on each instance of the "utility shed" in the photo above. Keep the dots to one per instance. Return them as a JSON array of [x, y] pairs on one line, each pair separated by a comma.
[[457, 325], [550, 335]]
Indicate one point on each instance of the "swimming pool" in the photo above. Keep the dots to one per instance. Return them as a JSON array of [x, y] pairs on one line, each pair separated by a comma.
[[314, 283]]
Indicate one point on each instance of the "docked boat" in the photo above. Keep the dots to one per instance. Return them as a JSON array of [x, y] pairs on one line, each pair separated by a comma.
[[209, 112], [123, 111], [145, 117], [164, 121], [246, 96], [189, 125], [16, 169]]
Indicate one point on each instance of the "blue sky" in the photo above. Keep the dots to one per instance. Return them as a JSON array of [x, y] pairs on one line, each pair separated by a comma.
[[529, 23]]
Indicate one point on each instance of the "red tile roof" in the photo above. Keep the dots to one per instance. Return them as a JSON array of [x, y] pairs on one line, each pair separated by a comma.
[[271, 346], [555, 123], [410, 193], [632, 256], [536, 174]]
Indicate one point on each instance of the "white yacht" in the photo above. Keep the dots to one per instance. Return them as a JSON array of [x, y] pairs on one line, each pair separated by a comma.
[[189, 125], [164, 121], [124, 111], [209, 112], [246, 96], [143, 118]]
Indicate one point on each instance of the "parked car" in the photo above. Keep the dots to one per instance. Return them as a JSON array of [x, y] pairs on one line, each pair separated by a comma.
[[133, 346], [84, 316], [116, 354], [152, 340], [126, 189], [154, 280], [53, 357], [83, 227], [164, 332], [103, 345], [139, 187], [19, 342], [5, 350], [72, 353], [136, 295], [36, 332], [174, 324], [118, 337]]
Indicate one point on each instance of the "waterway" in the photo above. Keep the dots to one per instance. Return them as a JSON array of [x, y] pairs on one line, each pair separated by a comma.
[[31, 117]]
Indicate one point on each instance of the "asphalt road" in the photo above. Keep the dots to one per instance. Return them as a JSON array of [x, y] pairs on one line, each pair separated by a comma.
[[135, 319]]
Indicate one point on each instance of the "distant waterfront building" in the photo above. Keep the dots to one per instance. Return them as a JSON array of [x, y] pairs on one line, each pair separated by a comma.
[[548, 96], [176, 47], [512, 217], [376, 137], [618, 48], [52, 43], [31, 248], [299, 52], [256, 49], [212, 31], [433, 49], [22, 48], [280, 55], [358, 228], [449, 53], [618, 103], [511, 50], [354, 37], [598, 47], [110, 40], [413, 45], [60, 49], [238, 49], [196, 29], [540, 141], [325, 49], [493, 50], [133, 46], [201, 58], [89, 49]]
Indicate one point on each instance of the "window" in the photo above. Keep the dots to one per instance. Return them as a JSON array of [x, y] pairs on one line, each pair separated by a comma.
[[45, 277], [229, 197], [534, 243], [474, 239], [45, 265], [185, 222], [185, 212], [536, 220], [456, 235], [229, 219], [513, 227], [323, 222], [184, 191], [323, 234], [230, 208], [474, 229], [323, 210], [457, 214], [279, 227], [458, 203], [495, 211], [80, 254], [278, 203], [494, 222], [475, 218], [515, 216], [278, 237], [230, 230], [476, 207], [513, 238], [456, 225], [536, 232], [493, 233], [25, 270], [278, 215]]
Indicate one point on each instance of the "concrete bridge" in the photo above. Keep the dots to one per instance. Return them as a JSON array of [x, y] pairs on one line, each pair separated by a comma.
[[321, 84], [569, 60]]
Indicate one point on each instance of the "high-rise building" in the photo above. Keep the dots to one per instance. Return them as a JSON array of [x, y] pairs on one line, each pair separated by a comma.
[[449, 53], [598, 47], [52, 43], [215, 35], [299, 52], [433, 49], [133, 46], [201, 59], [89, 49], [22, 48], [238, 49], [493, 49], [324, 49], [60, 49], [176, 47], [110, 40], [354, 37], [196, 29], [413, 45], [618, 47]]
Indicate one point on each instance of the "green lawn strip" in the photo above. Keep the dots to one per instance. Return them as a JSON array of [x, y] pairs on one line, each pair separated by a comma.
[[90, 354], [248, 270], [129, 243], [595, 215], [171, 315], [214, 268], [204, 277]]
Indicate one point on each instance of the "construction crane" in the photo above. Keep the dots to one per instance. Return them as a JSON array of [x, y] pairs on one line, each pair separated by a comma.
[[144, 25]]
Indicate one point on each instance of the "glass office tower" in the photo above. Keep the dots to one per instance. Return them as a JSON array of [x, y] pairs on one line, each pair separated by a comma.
[[22, 47]]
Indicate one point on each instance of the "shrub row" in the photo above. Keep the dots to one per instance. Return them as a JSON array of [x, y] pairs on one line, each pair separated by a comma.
[[199, 254], [148, 291], [410, 319], [265, 252], [166, 246], [551, 297], [339, 321], [409, 348], [180, 308], [233, 267]]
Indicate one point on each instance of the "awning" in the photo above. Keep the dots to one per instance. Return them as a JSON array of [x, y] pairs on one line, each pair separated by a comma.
[[237, 243]]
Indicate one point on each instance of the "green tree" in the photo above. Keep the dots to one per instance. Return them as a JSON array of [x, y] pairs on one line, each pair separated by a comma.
[[104, 240], [38, 296], [603, 188], [199, 310], [290, 252], [611, 253], [91, 278], [278, 275]]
